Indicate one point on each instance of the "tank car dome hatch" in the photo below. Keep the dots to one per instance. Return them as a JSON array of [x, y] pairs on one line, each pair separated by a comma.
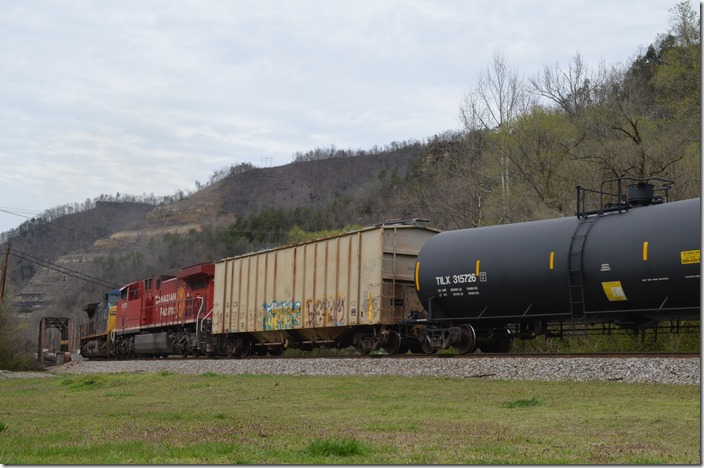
[[641, 194]]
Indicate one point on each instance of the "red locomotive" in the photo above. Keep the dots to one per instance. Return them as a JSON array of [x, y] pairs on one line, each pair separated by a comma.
[[161, 315]]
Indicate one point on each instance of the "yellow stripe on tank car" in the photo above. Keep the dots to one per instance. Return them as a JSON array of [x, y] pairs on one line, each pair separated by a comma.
[[552, 260], [645, 251], [417, 281], [477, 268]]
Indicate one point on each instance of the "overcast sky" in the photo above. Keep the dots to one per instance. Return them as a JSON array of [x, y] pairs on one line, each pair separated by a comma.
[[148, 96]]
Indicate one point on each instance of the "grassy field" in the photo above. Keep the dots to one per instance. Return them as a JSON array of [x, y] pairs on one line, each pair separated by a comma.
[[180, 419]]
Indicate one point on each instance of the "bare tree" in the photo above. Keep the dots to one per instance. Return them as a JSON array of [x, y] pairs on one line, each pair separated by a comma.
[[572, 89], [498, 99], [684, 24], [451, 170]]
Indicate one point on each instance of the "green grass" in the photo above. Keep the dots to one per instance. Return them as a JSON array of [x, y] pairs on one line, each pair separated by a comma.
[[169, 418], [524, 403], [346, 447]]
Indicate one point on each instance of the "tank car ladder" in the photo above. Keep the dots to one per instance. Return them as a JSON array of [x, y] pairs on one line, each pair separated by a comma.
[[575, 276]]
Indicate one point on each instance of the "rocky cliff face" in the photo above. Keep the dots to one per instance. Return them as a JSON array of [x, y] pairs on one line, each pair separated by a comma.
[[50, 285]]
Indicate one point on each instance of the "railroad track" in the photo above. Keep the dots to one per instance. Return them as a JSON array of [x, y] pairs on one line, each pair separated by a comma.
[[503, 355], [620, 355]]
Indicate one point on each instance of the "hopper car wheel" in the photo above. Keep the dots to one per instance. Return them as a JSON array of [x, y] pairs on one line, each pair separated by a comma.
[[393, 343], [244, 349], [277, 351], [468, 342], [230, 349], [239, 348], [362, 350], [364, 343]]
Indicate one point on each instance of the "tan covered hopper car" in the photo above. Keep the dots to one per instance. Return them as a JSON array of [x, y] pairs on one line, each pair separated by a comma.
[[347, 290]]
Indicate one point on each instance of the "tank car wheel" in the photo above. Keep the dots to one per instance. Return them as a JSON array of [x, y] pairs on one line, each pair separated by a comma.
[[468, 342], [406, 345], [393, 343], [500, 344], [426, 347]]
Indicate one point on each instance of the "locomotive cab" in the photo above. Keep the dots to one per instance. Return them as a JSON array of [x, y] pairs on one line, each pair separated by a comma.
[[96, 334]]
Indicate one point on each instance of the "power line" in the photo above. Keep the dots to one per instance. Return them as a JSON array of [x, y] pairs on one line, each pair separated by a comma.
[[61, 269], [66, 271], [3, 208]]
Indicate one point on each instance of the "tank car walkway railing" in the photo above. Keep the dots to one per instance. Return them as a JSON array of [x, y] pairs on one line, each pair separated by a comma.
[[617, 199]]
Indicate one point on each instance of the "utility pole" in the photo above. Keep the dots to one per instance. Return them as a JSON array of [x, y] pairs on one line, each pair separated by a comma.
[[4, 272]]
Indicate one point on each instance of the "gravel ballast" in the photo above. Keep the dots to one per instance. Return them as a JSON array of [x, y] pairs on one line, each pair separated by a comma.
[[678, 371]]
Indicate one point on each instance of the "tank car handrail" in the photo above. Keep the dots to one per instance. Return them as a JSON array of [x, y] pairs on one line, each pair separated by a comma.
[[622, 202]]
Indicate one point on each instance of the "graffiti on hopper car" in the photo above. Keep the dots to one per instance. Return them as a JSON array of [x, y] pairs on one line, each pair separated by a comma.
[[282, 315], [326, 312]]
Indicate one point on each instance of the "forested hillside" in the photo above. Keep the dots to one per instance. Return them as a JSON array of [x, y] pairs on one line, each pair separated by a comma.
[[525, 143]]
